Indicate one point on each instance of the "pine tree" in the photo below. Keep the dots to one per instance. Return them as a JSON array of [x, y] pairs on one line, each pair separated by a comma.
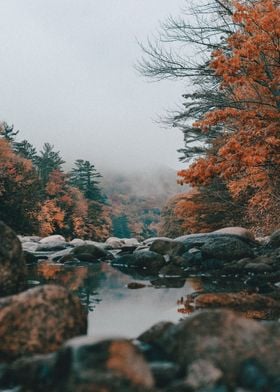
[[47, 162]]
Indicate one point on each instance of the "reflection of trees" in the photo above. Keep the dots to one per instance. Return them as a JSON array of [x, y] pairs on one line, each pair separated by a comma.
[[82, 280]]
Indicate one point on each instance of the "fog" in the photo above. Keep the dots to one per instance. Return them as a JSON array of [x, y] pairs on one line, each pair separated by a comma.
[[67, 76]]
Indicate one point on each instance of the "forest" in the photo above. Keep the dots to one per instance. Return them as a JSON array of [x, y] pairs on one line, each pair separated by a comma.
[[230, 119]]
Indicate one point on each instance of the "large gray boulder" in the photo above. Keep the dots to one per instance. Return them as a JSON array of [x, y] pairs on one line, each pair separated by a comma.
[[147, 260], [12, 263], [226, 248], [168, 247]]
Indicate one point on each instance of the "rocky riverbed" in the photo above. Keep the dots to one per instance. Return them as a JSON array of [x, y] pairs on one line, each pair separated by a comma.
[[216, 346]]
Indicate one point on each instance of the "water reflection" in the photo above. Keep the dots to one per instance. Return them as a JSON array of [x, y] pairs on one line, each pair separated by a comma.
[[114, 309]]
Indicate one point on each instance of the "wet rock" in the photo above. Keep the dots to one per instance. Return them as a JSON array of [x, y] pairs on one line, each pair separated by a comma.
[[135, 285], [226, 248], [203, 374], [34, 373], [89, 253], [258, 267], [224, 339], [30, 246], [241, 301], [59, 254], [274, 240], [148, 260], [164, 372], [110, 365], [155, 332], [29, 258], [253, 376], [52, 238], [39, 320], [192, 258], [168, 247], [170, 270], [12, 262], [149, 241]]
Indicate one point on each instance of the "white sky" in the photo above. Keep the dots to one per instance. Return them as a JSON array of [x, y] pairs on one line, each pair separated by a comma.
[[67, 77]]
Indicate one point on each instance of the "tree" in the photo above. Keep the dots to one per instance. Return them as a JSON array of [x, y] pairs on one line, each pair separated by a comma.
[[85, 177], [20, 192], [47, 161], [26, 150], [249, 73], [235, 101], [8, 132]]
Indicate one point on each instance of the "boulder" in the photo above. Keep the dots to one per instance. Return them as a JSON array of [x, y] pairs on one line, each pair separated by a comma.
[[110, 365], [59, 254], [239, 231], [224, 339], [167, 247], [150, 261], [89, 253], [29, 238], [30, 246], [76, 242], [51, 246], [52, 238], [274, 240], [226, 248], [39, 320], [114, 242], [12, 262], [241, 301]]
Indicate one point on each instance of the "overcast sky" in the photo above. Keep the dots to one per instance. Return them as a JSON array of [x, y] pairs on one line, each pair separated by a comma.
[[67, 77]]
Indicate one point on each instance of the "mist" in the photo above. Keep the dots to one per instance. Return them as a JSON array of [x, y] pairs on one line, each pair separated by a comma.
[[67, 77]]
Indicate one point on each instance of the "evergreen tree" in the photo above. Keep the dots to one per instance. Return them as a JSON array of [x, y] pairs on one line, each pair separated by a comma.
[[120, 227], [48, 161], [8, 133], [26, 150], [85, 177]]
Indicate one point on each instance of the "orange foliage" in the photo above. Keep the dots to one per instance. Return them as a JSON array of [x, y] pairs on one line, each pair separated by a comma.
[[249, 158]]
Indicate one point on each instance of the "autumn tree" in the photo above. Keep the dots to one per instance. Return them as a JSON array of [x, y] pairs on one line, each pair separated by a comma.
[[235, 102], [19, 190]]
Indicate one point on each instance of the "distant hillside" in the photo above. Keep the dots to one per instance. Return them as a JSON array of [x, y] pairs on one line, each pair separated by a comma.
[[137, 199]]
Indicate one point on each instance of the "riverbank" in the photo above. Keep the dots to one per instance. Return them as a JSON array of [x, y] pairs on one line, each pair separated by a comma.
[[210, 349]]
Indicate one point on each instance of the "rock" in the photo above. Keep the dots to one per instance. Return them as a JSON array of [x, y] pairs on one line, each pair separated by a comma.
[[59, 254], [52, 238], [224, 339], [90, 253], [164, 372], [203, 374], [29, 258], [258, 267], [110, 365], [12, 262], [30, 246], [148, 260], [76, 242], [241, 301], [149, 241], [252, 376], [133, 242], [192, 258], [226, 248], [274, 240], [51, 246], [135, 285], [30, 238], [168, 247], [34, 373], [39, 320], [239, 231], [155, 332], [170, 270], [114, 242]]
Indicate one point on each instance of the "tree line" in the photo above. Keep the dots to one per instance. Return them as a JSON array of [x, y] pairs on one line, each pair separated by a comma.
[[38, 196], [230, 115]]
